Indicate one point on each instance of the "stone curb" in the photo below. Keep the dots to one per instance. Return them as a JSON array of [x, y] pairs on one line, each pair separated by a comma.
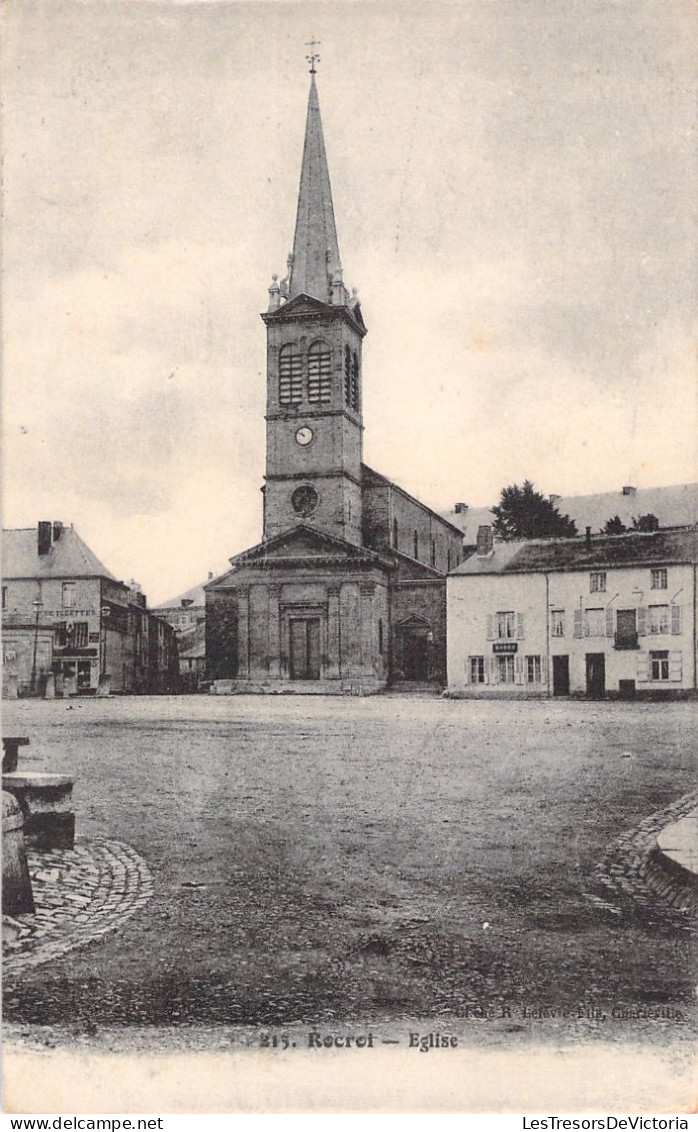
[[634, 867], [81, 895]]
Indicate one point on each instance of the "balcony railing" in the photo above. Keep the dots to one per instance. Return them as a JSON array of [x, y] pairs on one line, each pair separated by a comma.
[[626, 641]]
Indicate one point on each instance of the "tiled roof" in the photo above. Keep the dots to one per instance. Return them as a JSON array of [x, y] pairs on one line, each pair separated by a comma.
[[542, 555], [69, 557]]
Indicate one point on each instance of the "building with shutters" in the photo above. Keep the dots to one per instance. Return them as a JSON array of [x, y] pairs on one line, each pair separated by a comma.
[[597, 616], [63, 608], [346, 591]]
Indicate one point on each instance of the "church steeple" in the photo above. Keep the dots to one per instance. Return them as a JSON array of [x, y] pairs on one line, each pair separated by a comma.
[[316, 269]]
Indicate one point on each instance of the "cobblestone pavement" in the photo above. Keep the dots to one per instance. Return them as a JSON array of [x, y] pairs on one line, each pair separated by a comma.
[[80, 894], [633, 868]]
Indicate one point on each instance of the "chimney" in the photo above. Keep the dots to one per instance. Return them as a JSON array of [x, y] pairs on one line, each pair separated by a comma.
[[628, 490], [554, 499], [44, 537], [210, 575], [485, 541], [460, 508], [588, 538], [57, 531]]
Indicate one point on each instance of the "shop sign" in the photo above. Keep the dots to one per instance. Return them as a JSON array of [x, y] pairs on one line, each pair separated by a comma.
[[506, 647]]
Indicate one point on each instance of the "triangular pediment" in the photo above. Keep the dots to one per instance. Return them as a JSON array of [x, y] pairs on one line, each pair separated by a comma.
[[308, 546], [300, 306]]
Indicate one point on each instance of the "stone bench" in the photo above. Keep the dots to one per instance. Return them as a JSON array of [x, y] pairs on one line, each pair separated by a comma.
[[49, 822]]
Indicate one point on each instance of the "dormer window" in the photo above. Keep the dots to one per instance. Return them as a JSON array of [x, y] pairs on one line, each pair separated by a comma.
[[319, 373], [290, 376]]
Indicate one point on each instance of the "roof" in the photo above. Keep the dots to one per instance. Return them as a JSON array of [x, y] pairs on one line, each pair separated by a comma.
[[370, 474], [315, 248], [195, 596], [197, 652], [674, 506], [606, 552], [69, 557]]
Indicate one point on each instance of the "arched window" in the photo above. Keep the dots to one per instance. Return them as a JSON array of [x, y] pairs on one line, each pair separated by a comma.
[[319, 373], [416, 545], [395, 534], [290, 376], [380, 635], [355, 381], [433, 552], [347, 376], [448, 559]]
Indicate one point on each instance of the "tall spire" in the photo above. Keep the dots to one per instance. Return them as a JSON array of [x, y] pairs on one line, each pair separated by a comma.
[[316, 260]]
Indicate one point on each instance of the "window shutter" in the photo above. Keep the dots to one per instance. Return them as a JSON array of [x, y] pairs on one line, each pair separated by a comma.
[[676, 620], [518, 669], [642, 621], [609, 620], [643, 667], [544, 670], [490, 627], [494, 669], [675, 668], [467, 670], [578, 622], [519, 626]]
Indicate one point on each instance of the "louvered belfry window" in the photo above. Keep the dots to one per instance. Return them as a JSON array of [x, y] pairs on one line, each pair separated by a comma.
[[290, 376], [347, 376], [319, 373], [354, 395]]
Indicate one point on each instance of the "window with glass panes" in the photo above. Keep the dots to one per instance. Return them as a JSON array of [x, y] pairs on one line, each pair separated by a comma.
[[659, 665], [505, 625], [659, 619]]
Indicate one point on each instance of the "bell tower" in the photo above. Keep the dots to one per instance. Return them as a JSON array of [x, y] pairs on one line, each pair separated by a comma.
[[314, 373]]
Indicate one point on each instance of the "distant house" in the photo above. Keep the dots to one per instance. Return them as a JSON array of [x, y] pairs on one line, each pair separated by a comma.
[[63, 608], [595, 616], [187, 616], [674, 506]]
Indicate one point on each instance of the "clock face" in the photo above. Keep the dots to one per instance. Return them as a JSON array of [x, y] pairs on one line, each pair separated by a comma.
[[304, 499], [304, 436]]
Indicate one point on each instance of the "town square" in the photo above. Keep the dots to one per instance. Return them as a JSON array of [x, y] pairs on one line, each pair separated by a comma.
[[350, 633]]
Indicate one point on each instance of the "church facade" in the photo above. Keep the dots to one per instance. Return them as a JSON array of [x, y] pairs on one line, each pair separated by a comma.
[[346, 592]]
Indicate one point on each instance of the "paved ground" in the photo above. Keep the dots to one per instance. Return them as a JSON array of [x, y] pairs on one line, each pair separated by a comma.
[[322, 861], [79, 894]]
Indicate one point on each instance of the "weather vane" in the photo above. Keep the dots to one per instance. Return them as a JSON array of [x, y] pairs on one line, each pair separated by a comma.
[[313, 58]]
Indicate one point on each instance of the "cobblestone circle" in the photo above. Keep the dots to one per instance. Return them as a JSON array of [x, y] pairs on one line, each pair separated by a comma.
[[80, 895], [632, 869]]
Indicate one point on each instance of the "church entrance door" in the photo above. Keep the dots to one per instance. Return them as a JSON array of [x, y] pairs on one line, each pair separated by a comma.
[[305, 648]]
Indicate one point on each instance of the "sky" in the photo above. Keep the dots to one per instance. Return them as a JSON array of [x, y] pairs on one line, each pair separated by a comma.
[[513, 185]]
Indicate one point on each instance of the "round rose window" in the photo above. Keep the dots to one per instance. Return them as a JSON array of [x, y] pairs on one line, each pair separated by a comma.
[[304, 500]]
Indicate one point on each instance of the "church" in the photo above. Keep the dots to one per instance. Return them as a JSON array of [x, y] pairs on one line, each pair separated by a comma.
[[346, 592]]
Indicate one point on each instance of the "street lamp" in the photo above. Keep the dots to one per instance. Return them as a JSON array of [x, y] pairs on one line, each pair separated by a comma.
[[38, 606]]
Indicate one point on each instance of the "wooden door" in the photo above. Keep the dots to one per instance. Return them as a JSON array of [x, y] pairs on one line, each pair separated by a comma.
[[596, 674], [561, 675], [305, 648]]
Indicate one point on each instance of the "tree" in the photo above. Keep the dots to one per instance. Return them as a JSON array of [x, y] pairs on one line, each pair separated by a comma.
[[523, 512], [614, 526], [648, 522]]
